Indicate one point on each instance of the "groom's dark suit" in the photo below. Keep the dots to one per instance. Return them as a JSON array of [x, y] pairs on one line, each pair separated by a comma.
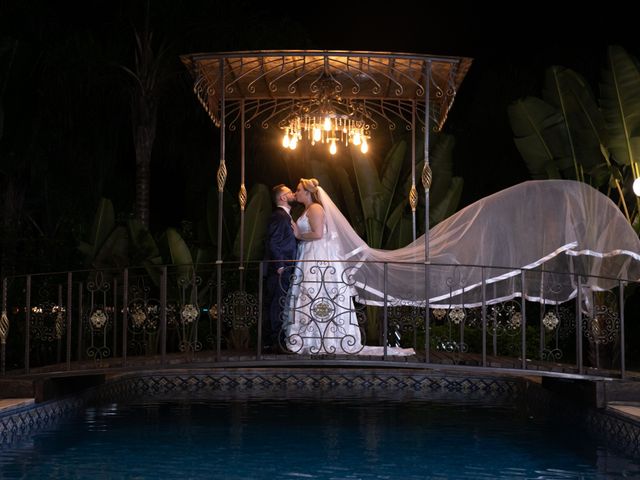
[[281, 246]]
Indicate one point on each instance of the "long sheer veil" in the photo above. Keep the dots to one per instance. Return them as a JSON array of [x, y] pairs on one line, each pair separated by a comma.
[[541, 239]]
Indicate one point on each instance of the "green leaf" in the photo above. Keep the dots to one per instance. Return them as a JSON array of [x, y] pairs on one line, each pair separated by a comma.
[[144, 245], [400, 225], [369, 186], [114, 252], [441, 163], [205, 255], [103, 225], [376, 195], [620, 103], [321, 164], [144, 250], [401, 233], [85, 248], [449, 204], [256, 218], [583, 120], [390, 180], [229, 216], [539, 136], [353, 207], [180, 255]]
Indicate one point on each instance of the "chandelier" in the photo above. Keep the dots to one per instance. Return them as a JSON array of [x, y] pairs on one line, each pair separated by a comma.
[[328, 120]]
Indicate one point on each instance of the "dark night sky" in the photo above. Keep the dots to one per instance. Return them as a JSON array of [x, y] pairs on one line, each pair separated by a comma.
[[511, 48]]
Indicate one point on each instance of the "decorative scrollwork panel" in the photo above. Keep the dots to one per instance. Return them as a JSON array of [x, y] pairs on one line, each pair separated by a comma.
[[239, 313], [321, 314], [405, 321], [603, 327], [98, 318]]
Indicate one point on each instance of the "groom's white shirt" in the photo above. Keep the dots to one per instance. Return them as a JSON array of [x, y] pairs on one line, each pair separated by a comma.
[[286, 208]]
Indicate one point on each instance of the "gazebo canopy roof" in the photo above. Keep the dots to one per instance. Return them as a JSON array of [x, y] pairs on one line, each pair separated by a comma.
[[272, 84]]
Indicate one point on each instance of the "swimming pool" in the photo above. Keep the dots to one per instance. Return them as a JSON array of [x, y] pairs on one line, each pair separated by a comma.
[[317, 439]]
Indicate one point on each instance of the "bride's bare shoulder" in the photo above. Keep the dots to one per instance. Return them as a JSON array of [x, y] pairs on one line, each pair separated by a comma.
[[315, 213]]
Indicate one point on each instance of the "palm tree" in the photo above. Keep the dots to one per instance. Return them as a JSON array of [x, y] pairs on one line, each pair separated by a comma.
[[148, 77]]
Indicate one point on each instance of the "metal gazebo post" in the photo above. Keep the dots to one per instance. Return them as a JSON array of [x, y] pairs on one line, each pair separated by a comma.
[[221, 178], [426, 171], [426, 183], [413, 193], [242, 194]]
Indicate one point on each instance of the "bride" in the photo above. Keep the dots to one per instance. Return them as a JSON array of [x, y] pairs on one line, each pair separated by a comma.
[[321, 314], [548, 241]]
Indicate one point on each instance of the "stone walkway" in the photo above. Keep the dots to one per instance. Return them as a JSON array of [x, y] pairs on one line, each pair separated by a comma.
[[7, 404], [628, 409]]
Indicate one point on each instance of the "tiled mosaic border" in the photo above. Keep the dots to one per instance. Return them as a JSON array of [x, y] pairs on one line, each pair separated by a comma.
[[614, 429], [17, 423], [251, 384], [610, 427]]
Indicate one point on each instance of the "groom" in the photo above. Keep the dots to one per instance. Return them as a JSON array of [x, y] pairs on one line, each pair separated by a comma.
[[280, 247]]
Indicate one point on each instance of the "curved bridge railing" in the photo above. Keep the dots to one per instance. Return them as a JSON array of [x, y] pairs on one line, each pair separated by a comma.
[[163, 315]]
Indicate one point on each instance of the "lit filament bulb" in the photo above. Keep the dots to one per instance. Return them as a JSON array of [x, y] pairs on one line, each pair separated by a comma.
[[317, 134], [364, 148], [293, 143], [285, 140], [356, 138], [327, 124], [333, 149]]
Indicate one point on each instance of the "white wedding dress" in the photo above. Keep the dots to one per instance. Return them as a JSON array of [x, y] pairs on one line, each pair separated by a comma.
[[321, 316], [548, 241]]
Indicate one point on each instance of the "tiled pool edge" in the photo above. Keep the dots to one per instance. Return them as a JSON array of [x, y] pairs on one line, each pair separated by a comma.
[[615, 429], [22, 421], [620, 431], [265, 383]]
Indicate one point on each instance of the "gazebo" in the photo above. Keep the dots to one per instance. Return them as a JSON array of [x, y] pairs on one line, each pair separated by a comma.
[[359, 90], [327, 96]]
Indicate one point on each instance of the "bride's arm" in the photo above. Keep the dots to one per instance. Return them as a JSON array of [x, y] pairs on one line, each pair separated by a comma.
[[315, 214]]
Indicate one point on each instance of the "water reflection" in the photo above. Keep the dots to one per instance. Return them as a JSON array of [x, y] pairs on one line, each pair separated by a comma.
[[321, 439]]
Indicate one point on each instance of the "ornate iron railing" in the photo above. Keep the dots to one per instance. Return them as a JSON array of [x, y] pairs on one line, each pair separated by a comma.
[[181, 313]]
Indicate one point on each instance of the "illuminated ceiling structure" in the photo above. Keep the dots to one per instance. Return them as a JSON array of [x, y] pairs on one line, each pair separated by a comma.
[[242, 90]]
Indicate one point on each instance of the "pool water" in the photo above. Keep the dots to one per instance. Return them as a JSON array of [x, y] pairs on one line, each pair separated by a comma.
[[351, 439]]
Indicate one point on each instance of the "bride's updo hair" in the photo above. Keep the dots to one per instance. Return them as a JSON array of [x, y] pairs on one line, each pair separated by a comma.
[[311, 185]]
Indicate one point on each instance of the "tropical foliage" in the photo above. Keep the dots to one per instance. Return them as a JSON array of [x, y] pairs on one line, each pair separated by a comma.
[[567, 134], [375, 203]]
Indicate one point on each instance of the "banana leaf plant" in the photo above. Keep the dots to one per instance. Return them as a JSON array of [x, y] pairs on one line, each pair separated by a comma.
[[567, 135], [444, 194], [384, 199], [256, 218], [620, 104], [230, 215], [102, 227]]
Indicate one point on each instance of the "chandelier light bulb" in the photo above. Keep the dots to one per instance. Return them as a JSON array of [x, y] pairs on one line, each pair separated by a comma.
[[364, 148], [636, 187], [328, 123]]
